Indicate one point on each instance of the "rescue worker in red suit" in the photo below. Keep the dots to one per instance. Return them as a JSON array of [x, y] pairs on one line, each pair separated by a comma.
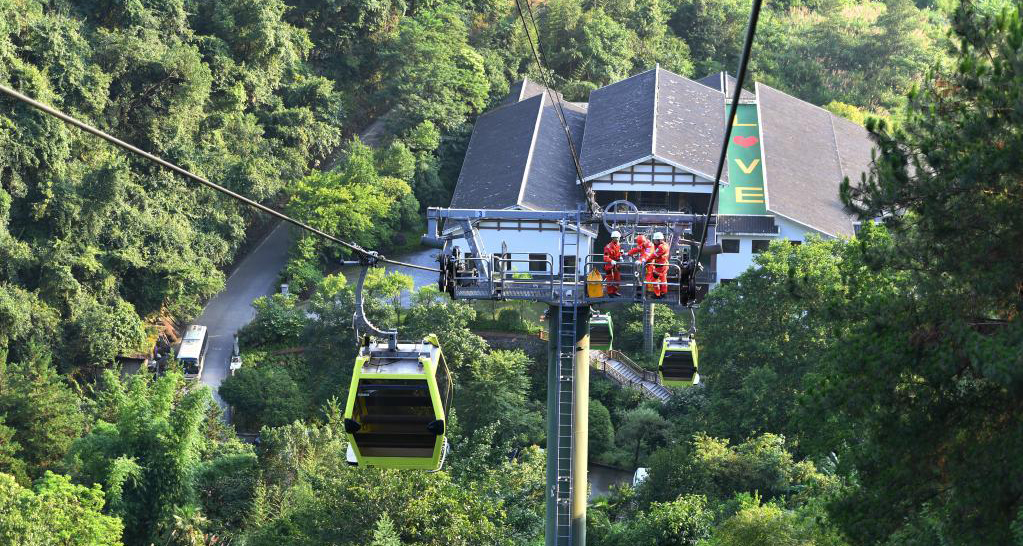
[[642, 252], [657, 271], [612, 254]]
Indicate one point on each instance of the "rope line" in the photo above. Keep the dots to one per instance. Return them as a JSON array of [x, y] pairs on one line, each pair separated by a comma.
[[747, 47], [369, 255], [547, 75]]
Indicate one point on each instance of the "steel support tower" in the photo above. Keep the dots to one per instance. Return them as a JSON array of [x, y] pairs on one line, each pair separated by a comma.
[[479, 275]]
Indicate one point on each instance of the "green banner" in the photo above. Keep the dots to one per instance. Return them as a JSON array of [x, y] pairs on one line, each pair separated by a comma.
[[744, 193]]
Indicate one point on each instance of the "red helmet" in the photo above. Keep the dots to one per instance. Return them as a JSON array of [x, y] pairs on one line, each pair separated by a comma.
[[640, 239]]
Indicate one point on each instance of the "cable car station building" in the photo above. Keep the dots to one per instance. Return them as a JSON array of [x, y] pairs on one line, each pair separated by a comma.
[[653, 139]]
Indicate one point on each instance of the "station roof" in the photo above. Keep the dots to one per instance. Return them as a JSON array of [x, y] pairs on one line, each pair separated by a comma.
[[807, 151], [654, 114], [518, 155], [725, 82]]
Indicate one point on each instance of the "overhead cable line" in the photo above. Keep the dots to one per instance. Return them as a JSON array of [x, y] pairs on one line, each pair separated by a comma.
[[751, 30], [369, 255], [547, 75]]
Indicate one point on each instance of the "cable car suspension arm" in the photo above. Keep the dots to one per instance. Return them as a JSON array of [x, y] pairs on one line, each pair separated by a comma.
[[360, 322]]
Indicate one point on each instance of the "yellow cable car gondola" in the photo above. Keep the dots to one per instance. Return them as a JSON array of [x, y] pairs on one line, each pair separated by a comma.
[[395, 415], [601, 332], [679, 365]]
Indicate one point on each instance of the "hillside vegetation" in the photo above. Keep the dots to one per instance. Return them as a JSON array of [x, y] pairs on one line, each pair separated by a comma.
[[858, 392]]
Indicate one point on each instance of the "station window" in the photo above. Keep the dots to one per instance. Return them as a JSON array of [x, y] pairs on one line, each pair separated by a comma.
[[730, 246], [538, 263], [760, 245]]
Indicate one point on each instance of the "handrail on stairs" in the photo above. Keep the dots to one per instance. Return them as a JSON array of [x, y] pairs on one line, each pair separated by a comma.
[[600, 363], [647, 375]]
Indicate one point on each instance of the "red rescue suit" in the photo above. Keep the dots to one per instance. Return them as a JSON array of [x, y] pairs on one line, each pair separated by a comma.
[[642, 251], [657, 271], [643, 248], [612, 275]]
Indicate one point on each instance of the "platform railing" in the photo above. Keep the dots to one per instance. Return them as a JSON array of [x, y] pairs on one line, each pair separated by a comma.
[[634, 277], [495, 277]]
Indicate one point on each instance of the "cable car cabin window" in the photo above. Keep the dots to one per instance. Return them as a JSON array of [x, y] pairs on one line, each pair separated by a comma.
[[538, 263], [443, 386], [729, 246], [678, 365], [393, 414], [760, 245], [600, 334]]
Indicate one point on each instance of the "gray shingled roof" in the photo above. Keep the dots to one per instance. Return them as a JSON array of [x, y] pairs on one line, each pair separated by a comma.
[[690, 124], [725, 82], [807, 151], [524, 89], [518, 156], [746, 224], [619, 124], [655, 113], [551, 181]]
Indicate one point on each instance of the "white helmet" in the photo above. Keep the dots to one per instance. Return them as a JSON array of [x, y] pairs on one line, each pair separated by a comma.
[[615, 234], [658, 236]]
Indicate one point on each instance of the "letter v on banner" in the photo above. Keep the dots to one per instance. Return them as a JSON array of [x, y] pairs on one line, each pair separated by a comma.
[[747, 168]]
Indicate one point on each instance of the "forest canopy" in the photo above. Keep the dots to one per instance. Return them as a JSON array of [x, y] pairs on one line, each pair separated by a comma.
[[857, 391]]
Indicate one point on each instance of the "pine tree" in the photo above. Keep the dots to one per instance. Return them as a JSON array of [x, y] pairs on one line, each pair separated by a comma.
[[384, 533]]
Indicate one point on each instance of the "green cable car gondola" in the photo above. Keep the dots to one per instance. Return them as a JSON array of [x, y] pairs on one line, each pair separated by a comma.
[[601, 332], [679, 365], [397, 405]]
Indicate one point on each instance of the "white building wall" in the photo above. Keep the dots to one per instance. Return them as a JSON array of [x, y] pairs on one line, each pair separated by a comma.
[[529, 241], [654, 176], [795, 231], [730, 266]]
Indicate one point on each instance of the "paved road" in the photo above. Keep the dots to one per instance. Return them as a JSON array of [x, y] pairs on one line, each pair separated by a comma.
[[232, 308]]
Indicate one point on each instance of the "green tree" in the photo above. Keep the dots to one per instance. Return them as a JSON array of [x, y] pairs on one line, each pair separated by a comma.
[[146, 455], [601, 431], [713, 31], [762, 525], [927, 379], [641, 428], [102, 332], [277, 321], [433, 73], [493, 390], [264, 395], [682, 522], [867, 55], [711, 467], [44, 413], [761, 337], [53, 512], [384, 533], [10, 464], [354, 202]]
